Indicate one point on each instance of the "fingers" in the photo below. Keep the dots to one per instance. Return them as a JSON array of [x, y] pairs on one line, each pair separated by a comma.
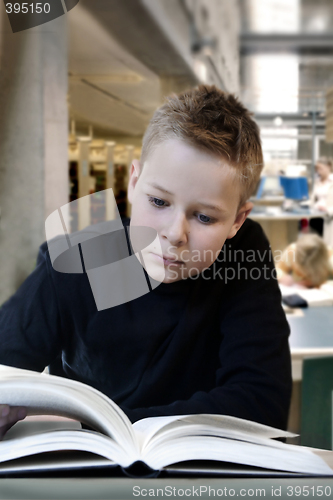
[[9, 415]]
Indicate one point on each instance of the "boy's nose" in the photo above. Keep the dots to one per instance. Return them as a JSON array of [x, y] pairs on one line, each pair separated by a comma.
[[176, 231]]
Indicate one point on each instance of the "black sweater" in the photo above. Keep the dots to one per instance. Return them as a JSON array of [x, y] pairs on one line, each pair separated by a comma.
[[204, 345]]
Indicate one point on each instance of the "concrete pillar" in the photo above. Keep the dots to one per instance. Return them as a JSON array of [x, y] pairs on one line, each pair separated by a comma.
[[33, 142], [55, 50]]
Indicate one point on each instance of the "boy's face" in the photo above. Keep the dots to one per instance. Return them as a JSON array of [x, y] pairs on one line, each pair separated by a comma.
[[191, 199]]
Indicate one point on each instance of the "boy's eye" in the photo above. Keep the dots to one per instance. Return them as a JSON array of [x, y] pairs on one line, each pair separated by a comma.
[[205, 219], [156, 202]]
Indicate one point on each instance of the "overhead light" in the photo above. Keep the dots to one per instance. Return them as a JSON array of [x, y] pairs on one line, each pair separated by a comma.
[[107, 79], [278, 121], [200, 69]]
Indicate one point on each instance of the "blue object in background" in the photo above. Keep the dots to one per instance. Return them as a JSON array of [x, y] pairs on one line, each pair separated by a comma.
[[261, 188], [295, 188], [269, 185]]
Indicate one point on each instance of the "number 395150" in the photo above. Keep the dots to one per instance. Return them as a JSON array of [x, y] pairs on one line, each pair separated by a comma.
[[26, 7]]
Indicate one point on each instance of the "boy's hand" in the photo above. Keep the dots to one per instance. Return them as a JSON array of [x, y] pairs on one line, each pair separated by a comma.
[[9, 415]]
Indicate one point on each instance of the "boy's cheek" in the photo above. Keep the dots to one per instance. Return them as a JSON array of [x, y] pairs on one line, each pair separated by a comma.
[[141, 213]]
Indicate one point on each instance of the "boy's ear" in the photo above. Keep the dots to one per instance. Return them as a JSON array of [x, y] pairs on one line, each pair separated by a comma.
[[243, 212], [133, 178]]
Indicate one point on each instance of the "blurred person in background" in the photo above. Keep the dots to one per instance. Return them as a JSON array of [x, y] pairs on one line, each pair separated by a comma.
[[321, 187], [306, 263]]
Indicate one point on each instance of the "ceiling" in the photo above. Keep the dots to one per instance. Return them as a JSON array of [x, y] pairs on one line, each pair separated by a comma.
[[108, 87], [121, 53], [293, 39], [115, 71]]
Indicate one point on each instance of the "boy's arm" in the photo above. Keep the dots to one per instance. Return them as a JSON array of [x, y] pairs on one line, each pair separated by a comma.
[[29, 321], [28, 332], [254, 377]]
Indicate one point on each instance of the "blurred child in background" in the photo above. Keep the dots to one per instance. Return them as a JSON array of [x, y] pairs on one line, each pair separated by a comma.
[[307, 263]]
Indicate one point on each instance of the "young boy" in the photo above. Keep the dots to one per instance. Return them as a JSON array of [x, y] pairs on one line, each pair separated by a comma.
[[212, 338]]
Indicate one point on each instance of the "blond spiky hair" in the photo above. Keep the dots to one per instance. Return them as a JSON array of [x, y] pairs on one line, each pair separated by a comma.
[[208, 118]]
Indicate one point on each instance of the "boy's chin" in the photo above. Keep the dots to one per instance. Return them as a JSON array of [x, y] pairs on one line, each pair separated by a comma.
[[167, 274], [171, 277], [168, 281]]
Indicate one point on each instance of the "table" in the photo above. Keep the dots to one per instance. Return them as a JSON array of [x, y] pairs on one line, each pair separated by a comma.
[[280, 227], [118, 488], [311, 335]]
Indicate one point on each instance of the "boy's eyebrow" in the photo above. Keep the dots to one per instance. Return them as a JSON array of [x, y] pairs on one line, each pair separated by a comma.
[[207, 205], [213, 207], [159, 188]]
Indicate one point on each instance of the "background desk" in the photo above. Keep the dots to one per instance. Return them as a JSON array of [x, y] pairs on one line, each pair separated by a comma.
[[281, 228], [311, 336]]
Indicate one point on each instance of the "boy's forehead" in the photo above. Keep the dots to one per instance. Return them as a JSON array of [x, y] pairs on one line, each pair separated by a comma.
[[176, 167], [175, 151]]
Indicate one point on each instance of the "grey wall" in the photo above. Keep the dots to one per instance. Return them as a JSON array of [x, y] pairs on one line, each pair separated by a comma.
[[33, 142]]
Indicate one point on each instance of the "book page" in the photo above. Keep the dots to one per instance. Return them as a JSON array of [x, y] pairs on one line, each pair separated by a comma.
[[215, 468], [48, 394], [57, 461], [155, 427], [37, 425], [282, 457], [66, 440]]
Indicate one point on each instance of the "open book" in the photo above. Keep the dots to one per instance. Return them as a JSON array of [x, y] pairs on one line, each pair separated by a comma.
[[159, 442]]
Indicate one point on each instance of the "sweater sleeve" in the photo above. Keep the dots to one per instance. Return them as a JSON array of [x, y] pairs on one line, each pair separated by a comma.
[[29, 321], [253, 380]]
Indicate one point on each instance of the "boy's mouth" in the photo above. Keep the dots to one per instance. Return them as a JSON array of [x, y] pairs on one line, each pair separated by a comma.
[[168, 261]]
